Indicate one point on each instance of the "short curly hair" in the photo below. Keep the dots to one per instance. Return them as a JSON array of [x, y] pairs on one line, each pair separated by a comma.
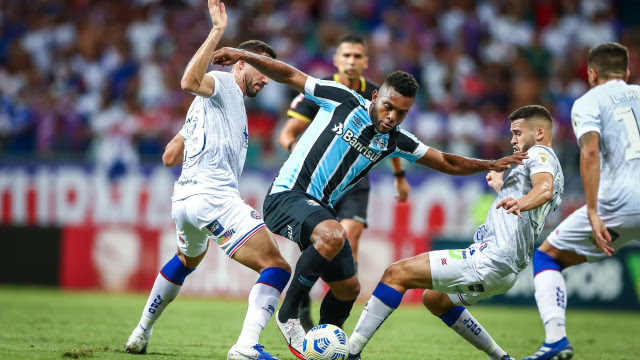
[[404, 83]]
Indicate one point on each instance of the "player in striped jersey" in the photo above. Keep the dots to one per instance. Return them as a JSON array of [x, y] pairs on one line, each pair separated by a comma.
[[350, 59], [348, 136]]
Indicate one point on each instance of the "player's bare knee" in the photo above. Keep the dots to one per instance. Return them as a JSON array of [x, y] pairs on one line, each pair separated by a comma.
[[395, 274], [329, 241], [435, 302]]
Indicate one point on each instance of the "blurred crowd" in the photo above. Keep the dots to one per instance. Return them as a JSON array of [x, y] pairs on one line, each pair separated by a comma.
[[98, 80]]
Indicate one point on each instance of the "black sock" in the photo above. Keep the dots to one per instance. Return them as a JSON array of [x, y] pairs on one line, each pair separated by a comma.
[[335, 311], [308, 269]]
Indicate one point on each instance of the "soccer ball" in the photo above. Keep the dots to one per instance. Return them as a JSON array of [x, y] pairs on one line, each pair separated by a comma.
[[326, 341]]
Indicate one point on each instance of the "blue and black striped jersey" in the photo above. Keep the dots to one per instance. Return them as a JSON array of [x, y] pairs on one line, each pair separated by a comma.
[[341, 145]]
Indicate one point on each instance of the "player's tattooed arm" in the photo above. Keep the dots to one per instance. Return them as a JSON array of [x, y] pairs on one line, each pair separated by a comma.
[[194, 80], [590, 174], [540, 193], [274, 69], [460, 165], [173, 152]]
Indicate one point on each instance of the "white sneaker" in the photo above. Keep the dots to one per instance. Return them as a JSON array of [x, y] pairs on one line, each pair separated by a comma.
[[294, 335], [137, 343], [255, 352]]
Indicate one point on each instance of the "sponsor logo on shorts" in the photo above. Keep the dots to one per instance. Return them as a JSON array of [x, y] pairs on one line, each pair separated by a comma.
[[312, 202], [228, 235], [255, 215], [289, 232], [464, 254], [215, 228], [476, 288], [444, 261]]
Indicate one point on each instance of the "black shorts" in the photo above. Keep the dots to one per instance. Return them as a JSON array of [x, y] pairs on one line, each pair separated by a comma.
[[294, 215], [353, 204]]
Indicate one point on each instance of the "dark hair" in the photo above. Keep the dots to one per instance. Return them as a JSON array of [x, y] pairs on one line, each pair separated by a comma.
[[531, 112], [258, 47], [402, 82], [352, 39], [609, 60]]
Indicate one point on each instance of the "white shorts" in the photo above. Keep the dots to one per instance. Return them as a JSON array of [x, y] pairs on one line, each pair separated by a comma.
[[575, 233], [469, 275], [228, 220]]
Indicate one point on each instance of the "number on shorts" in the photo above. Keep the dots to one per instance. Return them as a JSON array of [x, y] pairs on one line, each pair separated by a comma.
[[626, 115]]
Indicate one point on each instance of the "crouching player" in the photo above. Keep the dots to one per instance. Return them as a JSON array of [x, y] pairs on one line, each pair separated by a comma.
[[502, 246]]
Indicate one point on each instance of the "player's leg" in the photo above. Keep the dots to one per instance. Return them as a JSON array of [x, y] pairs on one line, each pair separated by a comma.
[[192, 246], [405, 274], [460, 320], [260, 253], [341, 277]]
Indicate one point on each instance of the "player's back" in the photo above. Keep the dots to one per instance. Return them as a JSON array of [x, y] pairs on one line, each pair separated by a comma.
[[612, 110], [216, 140]]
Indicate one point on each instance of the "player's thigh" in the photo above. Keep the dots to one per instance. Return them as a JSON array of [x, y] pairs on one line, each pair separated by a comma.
[[192, 242], [575, 234], [411, 273], [261, 252]]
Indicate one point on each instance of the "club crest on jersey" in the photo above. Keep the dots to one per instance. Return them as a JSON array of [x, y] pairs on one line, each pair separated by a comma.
[[215, 228], [338, 128], [380, 142], [351, 139]]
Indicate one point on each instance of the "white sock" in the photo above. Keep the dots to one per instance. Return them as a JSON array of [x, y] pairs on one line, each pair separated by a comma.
[[263, 301], [470, 329], [551, 298], [162, 293], [374, 314]]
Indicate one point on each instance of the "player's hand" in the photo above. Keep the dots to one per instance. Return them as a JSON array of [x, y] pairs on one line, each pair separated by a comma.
[[494, 179], [600, 233], [218, 14], [511, 205], [226, 56], [402, 187], [505, 163]]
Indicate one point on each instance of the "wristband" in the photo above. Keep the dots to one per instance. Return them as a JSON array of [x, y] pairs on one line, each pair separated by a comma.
[[399, 174]]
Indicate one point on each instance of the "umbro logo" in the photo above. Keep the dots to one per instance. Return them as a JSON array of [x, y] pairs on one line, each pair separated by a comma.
[[338, 129]]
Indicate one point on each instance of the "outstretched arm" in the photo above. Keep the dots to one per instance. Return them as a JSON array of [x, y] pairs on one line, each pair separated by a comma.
[[541, 192], [194, 79], [590, 174], [459, 165], [274, 69], [174, 151]]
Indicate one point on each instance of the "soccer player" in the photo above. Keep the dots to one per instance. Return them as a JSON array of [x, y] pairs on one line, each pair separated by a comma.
[[606, 125], [351, 209], [212, 147], [501, 249], [348, 136]]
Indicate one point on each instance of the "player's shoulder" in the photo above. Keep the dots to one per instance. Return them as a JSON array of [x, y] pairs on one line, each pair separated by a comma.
[[541, 154]]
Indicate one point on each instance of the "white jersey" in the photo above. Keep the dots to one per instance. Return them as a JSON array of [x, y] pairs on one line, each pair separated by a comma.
[[512, 238], [215, 141], [612, 110]]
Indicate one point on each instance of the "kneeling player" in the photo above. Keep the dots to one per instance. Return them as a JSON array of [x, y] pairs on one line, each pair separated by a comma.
[[503, 244]]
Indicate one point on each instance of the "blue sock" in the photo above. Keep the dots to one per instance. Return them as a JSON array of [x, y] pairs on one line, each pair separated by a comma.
[[388, 295], [175, 271], [275, 277], [543, 261], [451, 315]]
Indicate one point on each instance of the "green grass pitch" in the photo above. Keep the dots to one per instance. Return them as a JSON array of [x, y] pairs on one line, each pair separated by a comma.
[[40, 323]]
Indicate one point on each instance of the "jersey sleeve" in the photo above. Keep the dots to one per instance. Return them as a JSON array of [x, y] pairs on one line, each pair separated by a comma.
[[326, 93], [540, 160], [303, 108], [409, 147], [585, 115], [220, 82]]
